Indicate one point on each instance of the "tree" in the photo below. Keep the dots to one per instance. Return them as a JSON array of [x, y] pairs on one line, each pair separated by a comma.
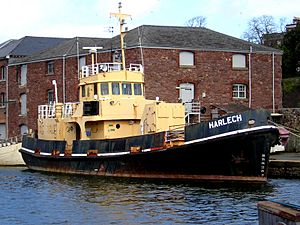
[[257, 27], [198, 21], [291, 53]]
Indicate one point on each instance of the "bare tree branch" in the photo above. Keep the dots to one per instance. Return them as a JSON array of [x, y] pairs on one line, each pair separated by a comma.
[[198, 21], [257, 27]]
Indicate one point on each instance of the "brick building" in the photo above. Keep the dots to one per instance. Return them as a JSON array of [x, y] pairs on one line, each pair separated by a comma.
[[9, 51], [180, 64]]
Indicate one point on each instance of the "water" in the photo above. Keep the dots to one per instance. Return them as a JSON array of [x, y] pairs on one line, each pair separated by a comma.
[[29, 197]]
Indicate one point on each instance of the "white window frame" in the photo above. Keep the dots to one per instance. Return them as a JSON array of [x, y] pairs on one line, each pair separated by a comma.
[[50, 96], [2, 99], [23, 79], [239, 91], [3, 73], [23, 100], [82, 61], [186, 58], [50, 67], [239, 61]]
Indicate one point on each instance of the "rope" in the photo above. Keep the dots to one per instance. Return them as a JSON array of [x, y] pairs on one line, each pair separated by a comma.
[[291, 130]]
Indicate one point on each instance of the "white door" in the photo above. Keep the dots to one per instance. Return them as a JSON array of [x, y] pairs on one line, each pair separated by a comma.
[[2, 131], [186, 92]]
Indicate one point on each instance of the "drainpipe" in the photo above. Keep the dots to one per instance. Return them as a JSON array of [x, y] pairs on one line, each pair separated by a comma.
[[78, 60], [250, 77], [55, 90], [64, 78], [6, 105], [273, 81]]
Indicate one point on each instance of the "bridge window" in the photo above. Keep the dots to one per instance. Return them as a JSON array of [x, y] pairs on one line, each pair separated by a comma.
[[137, 89], [104, 89], [115, 87], [126, 89], [95, 89], [83, 90]]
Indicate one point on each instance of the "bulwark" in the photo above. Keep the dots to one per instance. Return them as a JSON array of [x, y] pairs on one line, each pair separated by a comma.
[[225, 121]]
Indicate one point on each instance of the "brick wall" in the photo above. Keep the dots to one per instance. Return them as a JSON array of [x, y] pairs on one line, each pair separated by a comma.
[[212, 74]]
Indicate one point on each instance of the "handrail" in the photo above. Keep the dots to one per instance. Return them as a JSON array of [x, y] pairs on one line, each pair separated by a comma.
[[46, 111], [96, 68], [11, 141]]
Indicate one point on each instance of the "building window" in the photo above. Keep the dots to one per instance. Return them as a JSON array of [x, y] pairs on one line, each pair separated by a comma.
[[24, 129], [126, 89], [82, 62], [3, 73], [104, 89], [50, 67], [23, 98], [23, 80], [186, 59], [238, 61], [2, 99], [137, 88], [50, 95], [115, 87], [239, 91]]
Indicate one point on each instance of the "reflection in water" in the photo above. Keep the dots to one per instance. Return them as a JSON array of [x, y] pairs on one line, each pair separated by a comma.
[[35, 198]]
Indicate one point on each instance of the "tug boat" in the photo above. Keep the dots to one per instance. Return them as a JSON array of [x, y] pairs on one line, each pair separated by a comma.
[[114, 131]]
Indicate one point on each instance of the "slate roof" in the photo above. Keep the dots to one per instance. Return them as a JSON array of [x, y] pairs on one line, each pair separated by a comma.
[[28, 45], [67, 48], [7, 47], [168, 37], [190, 38]]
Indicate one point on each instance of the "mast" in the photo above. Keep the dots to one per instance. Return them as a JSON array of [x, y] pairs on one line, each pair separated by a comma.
[[121, 18]]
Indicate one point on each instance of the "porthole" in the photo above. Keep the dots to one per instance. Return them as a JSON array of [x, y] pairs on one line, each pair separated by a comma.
[[118, 126]]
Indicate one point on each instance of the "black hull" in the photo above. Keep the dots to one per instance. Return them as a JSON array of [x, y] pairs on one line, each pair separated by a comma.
[[232, 156]]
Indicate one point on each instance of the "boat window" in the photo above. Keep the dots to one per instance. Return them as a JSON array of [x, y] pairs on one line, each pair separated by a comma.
[[126, 89], [95, 89], [104, 89], [137, 89], [83, 90], [115, 87]]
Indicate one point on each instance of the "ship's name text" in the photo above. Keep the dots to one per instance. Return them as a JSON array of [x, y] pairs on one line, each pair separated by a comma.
[[225, 121]]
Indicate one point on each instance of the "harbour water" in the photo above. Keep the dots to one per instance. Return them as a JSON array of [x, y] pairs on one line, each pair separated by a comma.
[[29, 197]]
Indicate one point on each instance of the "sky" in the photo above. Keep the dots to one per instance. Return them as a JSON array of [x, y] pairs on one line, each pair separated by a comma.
[[91, 18]]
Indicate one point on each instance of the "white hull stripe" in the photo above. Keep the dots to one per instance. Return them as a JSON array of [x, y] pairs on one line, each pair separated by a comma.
[[186, 143], [230, 134]]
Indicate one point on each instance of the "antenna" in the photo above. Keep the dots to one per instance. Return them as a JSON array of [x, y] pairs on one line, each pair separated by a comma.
[[121, 18]]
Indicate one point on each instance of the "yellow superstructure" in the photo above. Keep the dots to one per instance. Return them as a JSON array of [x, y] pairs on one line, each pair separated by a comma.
[[111, 104]]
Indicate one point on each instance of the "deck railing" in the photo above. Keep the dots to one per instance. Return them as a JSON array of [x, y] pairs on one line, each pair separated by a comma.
[[192, 108], [46, 111], [69, 109], [94, 69]]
